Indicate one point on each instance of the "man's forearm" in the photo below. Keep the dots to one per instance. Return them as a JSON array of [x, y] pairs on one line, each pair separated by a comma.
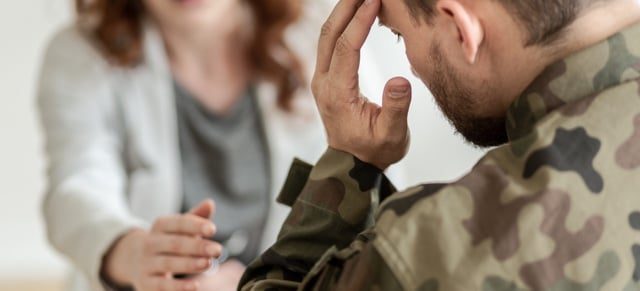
[[332, 209]]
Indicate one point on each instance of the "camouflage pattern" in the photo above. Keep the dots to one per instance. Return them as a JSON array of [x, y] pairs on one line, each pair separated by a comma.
[[558, 208]]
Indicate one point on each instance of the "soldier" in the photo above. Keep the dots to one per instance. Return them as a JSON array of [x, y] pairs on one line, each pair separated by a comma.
[[554, 85]]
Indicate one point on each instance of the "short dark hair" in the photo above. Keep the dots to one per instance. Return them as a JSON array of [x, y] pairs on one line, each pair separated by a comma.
[[544, 20]]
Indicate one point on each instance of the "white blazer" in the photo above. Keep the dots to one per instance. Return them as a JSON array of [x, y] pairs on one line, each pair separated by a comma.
[[112, 145]]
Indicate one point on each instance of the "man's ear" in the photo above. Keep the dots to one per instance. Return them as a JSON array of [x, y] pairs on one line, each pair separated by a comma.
[[470, 30]]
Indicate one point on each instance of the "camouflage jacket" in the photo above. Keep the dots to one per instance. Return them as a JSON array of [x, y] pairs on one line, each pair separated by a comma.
[[558, 208]]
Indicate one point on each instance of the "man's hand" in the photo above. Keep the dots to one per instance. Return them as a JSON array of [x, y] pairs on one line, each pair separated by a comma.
[[374, 134], [176, 244]]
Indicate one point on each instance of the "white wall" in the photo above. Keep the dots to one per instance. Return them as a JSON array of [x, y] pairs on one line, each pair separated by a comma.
[[26, 25]]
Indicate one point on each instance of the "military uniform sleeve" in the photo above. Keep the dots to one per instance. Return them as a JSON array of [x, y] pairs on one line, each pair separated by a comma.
[[325, 243]]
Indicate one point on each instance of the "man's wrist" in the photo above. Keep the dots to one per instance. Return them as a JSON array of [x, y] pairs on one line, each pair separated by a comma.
[[373, 160], [364, 173], [370, 162], [343, 184]]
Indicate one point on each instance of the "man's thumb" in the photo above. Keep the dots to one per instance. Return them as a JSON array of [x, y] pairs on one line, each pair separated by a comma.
[[205, 209], [395, 103]]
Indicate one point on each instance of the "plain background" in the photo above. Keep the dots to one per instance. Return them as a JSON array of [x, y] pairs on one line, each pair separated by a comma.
[[25, 27]]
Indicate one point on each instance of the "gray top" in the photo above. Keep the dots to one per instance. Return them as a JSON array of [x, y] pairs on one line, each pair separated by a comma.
[[225, 158]]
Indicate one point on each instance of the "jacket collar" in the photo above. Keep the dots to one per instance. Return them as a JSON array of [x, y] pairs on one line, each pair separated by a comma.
[[155, 55], [607, 64]]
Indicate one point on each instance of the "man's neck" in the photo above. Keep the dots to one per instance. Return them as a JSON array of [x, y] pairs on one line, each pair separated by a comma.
[[598, 23], [579, 79]]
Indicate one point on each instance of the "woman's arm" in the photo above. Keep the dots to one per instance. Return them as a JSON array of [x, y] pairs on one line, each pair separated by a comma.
[[84, 208]]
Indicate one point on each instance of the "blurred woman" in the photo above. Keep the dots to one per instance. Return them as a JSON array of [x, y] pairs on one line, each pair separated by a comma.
[[151, 107]]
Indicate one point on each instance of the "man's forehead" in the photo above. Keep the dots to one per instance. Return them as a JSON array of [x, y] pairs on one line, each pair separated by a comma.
[[390, 12]]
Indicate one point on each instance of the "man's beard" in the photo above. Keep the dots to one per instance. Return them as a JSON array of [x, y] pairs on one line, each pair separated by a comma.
[[456, 102]]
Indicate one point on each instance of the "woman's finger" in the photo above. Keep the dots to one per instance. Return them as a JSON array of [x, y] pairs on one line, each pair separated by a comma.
[[177, 265], [180, 245], [187, 224]]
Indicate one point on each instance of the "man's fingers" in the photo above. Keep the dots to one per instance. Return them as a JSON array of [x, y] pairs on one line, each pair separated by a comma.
[[187, 224], [177, 265], [332, 29], [205, 209], [395, 108], [180, 245], [345, 61]]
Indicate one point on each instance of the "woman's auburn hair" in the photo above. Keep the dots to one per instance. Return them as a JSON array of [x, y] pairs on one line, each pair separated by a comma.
[[117, 26]]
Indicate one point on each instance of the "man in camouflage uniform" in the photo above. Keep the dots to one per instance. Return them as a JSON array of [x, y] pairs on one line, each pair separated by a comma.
[[555, 207]]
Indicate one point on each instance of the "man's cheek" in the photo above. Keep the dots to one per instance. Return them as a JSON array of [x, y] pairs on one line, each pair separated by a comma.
[[419, 67], [414, 72], [417, 57], [413, 61]]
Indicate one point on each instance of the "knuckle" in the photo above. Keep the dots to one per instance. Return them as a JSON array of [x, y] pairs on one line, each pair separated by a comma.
[[343, 46], [359, 18], [165, 264], [149, 244], [202, 246], [192, 265], [390, 140], [385, 141], [327, 28], [315, 85], [325, 106], [174, 245], [183, 224], [166, 223], [192, 223], [186, 265], [160, 222], [352, 84]]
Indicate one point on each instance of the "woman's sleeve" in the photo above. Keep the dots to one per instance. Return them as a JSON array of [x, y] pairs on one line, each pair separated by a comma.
[[85, 207]]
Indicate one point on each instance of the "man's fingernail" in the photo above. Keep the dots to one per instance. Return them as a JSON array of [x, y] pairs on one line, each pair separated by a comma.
[[368, 2], [400, 91]]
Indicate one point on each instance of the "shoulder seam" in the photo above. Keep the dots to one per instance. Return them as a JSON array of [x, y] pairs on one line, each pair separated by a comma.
[[399, 268]]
